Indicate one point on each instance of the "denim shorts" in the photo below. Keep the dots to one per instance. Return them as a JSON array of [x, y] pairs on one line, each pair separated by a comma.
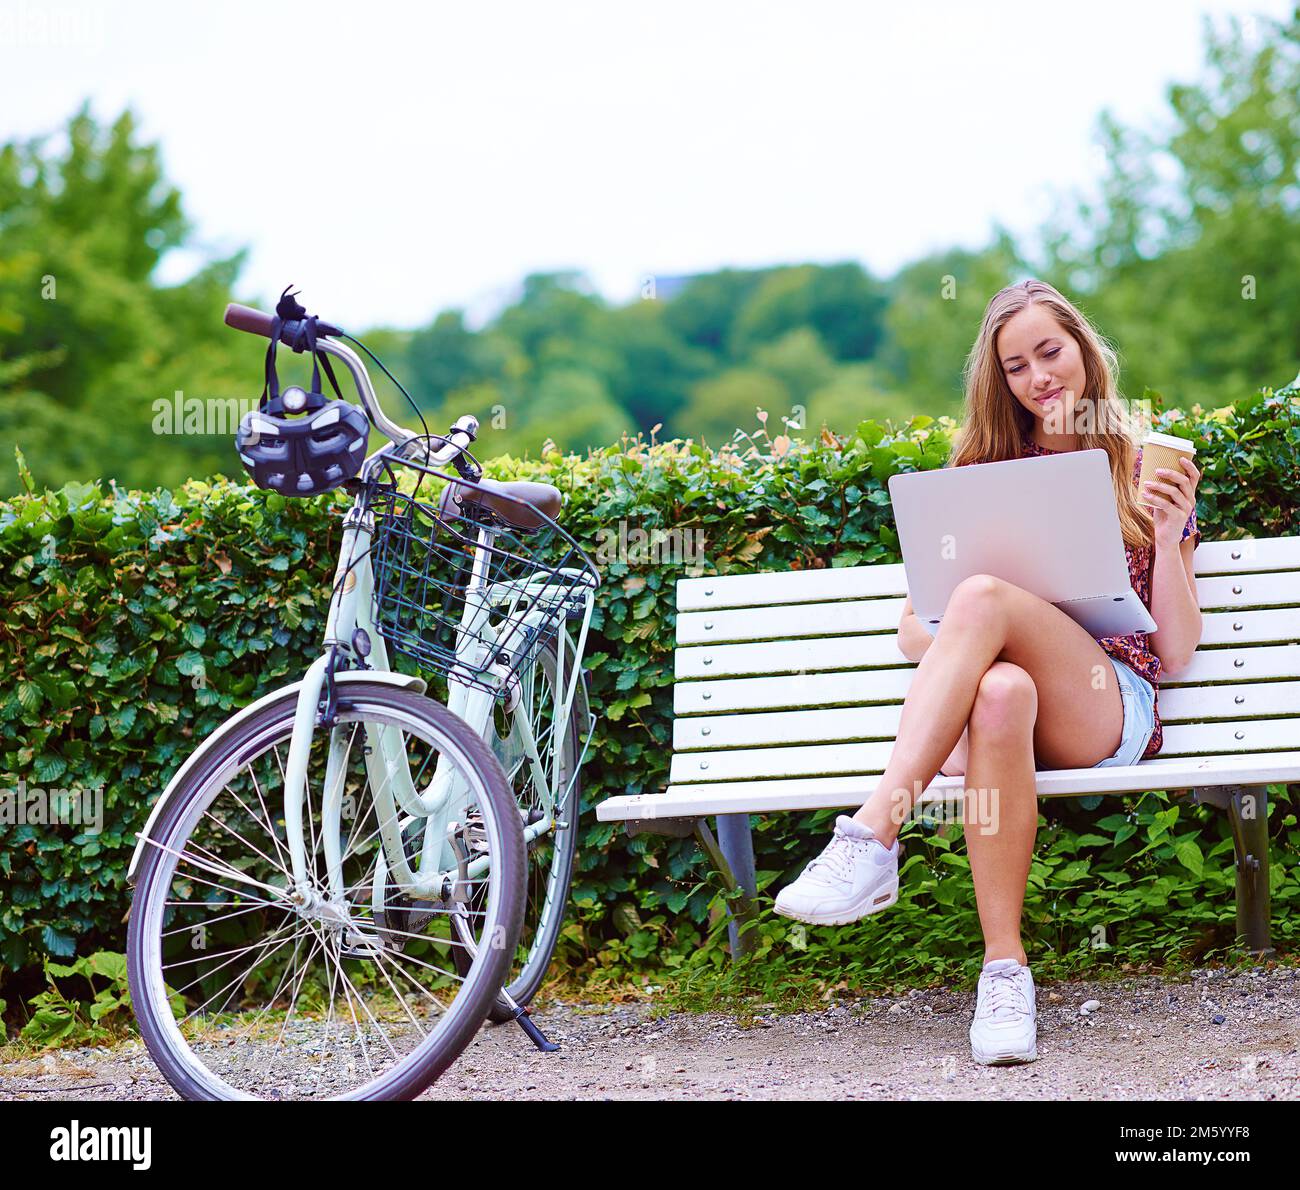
[[1139, 698]]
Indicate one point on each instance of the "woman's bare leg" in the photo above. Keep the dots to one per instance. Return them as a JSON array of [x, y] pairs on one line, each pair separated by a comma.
[[1080, 711], [1000, 830]]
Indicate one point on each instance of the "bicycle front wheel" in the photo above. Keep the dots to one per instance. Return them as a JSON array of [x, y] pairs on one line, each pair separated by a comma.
[[246, 985]]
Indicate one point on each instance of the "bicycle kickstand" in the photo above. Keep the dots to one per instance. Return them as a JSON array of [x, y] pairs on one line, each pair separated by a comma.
[[525, 1021]]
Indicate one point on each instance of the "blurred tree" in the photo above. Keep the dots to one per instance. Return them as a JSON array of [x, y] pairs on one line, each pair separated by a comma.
[[552, 306], [446, 355], [934, 314], [1190, 258], [655, 368], [87, 343], [703, 312], [799, 361], [719, 406], [840, 302], [575, 410], [854, 393], [570, 407]]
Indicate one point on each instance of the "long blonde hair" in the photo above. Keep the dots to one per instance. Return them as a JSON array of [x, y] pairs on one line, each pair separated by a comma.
[[994, 422]]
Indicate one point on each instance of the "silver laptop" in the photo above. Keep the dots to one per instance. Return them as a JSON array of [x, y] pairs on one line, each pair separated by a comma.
[[1046, 523]]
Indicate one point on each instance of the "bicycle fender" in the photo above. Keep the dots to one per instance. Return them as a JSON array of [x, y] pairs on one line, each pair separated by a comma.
[[382, 677]]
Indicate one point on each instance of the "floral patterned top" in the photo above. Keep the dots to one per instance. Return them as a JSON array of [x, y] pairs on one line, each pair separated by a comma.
[[1134, 650]]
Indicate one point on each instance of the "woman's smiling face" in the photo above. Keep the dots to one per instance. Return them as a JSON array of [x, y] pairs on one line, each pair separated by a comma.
[[1040, 358]]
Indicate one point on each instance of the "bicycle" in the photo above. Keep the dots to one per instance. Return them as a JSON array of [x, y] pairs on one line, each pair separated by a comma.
[[414, 881]]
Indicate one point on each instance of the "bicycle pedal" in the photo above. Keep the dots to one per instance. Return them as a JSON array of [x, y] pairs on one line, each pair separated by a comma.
[[472, 833]]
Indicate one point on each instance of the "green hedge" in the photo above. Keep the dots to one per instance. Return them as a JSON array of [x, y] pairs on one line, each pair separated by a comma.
[[135, 622]]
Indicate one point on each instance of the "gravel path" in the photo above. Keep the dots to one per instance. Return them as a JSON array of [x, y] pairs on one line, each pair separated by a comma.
[[1213, 1035]]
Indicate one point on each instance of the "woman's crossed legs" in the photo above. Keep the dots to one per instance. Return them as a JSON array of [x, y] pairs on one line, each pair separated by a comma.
[[1024, 686]]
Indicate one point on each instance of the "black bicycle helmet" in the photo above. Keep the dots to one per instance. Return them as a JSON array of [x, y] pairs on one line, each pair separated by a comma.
[[300, 443]]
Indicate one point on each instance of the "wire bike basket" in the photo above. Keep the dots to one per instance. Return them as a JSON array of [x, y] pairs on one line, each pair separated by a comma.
[[471, 582]]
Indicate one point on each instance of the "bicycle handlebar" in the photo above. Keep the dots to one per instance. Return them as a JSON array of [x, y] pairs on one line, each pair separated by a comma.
[[245, 318], [256, 322]]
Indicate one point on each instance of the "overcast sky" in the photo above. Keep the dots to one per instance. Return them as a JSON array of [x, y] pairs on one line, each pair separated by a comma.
[[393, 159]]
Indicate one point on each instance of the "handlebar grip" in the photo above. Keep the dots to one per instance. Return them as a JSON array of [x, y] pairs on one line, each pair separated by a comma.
[[245, 318], [255, 322]]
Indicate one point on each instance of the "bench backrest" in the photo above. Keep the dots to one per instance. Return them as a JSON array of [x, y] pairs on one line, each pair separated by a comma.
[[798, 673]]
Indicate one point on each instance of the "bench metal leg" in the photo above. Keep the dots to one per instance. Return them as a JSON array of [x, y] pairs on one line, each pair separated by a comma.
[[737, 845], [1247, 808], [733, 859]]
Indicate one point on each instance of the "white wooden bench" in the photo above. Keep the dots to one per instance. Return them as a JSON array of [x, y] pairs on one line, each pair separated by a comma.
[[789, 687]]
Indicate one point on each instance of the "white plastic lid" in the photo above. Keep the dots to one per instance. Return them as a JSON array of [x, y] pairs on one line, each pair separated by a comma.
[[1170, 440]]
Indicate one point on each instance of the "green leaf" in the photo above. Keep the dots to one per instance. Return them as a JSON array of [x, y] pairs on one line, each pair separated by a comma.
[[57, 943], [121, 721], [49, 767], [30, 696], [1188, 853]]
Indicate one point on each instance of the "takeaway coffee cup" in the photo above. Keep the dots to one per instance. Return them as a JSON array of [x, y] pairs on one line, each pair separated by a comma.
[[1162, 450]]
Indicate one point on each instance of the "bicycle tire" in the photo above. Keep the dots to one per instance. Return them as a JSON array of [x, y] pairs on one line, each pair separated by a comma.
[[431, 1057]]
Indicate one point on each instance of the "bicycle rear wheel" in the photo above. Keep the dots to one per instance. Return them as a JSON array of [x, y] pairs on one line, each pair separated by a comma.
[[243, 988]]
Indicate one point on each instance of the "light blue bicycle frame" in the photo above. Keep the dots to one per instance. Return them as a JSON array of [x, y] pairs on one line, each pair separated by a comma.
[[440, 872]]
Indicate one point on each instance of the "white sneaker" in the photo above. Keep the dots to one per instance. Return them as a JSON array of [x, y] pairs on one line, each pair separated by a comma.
[[1005, 1029], [853, 877]]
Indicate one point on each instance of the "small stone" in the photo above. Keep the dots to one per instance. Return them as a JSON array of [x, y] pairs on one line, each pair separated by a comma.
[[1090, 1006], [1219, 1019]]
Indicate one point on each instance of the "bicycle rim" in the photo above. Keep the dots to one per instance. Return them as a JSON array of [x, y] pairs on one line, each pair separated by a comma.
[[241, 994]]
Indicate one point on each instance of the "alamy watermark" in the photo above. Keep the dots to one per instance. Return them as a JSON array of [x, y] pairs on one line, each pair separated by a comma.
[[972, 806], [180, 414], [1101, 417], [53, 807], [654, 547]]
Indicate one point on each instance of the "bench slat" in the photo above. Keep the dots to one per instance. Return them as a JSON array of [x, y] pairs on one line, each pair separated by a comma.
[[1249, 590], [1247, 556], [791, 586], [1249, 735], [796, 691], [787, 656], [1251, 627], [1244, 557], [698, 732], [850, 790], [1199, 704], [1230, 700], [1236, 665], [818, 760], [828, 654], [790, 620], [883, 686], [862, 616]]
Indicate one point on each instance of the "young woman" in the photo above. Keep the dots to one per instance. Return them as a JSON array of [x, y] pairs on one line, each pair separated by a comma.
[[1010, 683]]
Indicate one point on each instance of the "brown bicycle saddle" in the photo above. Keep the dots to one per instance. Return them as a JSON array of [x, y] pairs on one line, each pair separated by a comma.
[[518, 502]]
